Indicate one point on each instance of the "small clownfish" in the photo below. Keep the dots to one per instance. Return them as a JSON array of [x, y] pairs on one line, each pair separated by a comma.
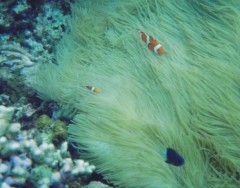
[[153, 45], [93, 89], [173, 157]]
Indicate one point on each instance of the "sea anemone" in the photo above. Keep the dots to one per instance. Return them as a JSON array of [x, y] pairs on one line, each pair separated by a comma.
[[187, 98]]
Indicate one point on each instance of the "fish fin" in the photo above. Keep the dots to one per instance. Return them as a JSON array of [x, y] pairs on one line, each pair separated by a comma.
[[164, 153]]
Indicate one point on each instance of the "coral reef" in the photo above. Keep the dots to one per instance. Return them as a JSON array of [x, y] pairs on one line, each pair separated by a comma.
[[51, 131], [24, 161], [95, 184], [187, 98], [36, 27], [22, 46], [16, 57], [33, 147]]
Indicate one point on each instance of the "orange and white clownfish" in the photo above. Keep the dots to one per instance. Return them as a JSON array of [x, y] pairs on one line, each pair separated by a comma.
[[153, 45], [93, 89]]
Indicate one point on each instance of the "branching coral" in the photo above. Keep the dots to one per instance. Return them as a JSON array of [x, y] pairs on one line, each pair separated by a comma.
[[22, 159], [16, 57]]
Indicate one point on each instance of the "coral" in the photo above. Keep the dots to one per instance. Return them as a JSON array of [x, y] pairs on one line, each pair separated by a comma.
[[40, 176], [16, 56], [51, 23], [36, 27], [42, 164], [6, 114], [15, 17], [13, 61], [43, 121], [5, 19], [22, 146], [51, 130], [187, 99], [95, 184], [20, 7], [59, 130]]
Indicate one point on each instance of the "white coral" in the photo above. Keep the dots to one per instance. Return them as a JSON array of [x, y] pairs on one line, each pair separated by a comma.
[[24, 151], [6, 114], [15, 55]]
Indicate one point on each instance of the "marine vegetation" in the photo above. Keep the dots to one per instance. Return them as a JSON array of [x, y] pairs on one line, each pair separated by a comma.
[[187, 98]]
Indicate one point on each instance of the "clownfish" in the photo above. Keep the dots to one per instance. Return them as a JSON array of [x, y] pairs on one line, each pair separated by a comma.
[[153, 45], [93, 89], [173, 157]]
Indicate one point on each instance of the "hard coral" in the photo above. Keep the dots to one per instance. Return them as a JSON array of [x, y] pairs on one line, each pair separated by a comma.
[[19, 153]]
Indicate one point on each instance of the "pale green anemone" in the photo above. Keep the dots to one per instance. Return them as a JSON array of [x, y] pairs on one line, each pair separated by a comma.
[[188, 98]]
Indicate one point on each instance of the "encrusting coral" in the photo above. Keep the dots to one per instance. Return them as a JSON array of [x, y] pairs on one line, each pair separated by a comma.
[[187, 98]]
